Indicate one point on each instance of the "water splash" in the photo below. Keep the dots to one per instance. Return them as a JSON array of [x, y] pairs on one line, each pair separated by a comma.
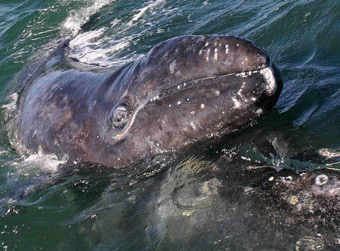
[[77, 18], [45, 162], [141, 12], [85, 50], [104, 48], [11, 106]]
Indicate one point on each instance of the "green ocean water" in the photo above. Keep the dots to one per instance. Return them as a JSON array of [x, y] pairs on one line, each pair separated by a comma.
[[109, 211]]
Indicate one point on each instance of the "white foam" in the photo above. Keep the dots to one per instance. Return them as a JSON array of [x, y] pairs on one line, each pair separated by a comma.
[[88, 48], [98, 48], [12, 104], [3, 152], [149, 7], [115, 22], [237, 104], [45, 162], [77, 18], [78, 41]]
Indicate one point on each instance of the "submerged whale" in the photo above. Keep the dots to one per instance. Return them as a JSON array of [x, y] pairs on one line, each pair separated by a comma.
[[185, 90]]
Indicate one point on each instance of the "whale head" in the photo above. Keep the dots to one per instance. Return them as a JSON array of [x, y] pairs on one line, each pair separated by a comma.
[[185, 90], [191, 88]]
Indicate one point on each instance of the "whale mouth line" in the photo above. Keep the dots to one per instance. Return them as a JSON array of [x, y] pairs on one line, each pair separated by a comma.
[[267, 73]]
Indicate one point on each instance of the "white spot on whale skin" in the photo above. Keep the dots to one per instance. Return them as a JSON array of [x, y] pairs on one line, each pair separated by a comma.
[[268, 75], [215, 54], [179, 102], [192, 123], [237, 104], [241, 74], [208, 54], [154, 98], [172, 66], [226, 49], [202, 106], [259, 111]]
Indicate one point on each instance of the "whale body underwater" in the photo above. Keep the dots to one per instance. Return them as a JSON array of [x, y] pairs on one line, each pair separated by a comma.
[[185, 90]]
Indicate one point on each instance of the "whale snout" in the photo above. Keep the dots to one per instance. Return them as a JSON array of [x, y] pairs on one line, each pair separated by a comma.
[[211, 85], [230, 54], [237, 60], [189, 58], [231, 63]]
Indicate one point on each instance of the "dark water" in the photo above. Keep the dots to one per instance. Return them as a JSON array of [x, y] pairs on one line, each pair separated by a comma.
[[197, 203]]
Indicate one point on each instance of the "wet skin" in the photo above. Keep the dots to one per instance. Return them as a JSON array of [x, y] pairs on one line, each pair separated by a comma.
[[186, 90]]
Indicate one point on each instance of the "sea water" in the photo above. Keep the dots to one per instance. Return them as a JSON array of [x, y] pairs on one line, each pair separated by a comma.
[[194, 204]]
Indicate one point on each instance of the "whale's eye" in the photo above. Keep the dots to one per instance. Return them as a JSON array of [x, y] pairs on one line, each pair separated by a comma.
[[119, 117]]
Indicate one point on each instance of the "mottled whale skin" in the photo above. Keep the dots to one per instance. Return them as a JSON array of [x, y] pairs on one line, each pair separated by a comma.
[[185, 90]]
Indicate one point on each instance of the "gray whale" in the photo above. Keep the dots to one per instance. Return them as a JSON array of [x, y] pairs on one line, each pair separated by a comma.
[[185, 90]]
